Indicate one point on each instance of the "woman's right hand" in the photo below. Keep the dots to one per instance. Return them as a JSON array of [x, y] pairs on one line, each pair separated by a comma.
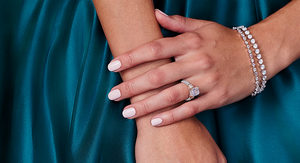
[[190, 143]]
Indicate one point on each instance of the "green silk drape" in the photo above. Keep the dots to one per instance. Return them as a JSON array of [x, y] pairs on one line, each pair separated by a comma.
[[54, 84]]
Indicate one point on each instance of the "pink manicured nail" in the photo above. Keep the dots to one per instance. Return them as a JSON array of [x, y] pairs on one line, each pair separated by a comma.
[[113, 66], [156, 121], [162, 12], [130, 112], [115, 94]]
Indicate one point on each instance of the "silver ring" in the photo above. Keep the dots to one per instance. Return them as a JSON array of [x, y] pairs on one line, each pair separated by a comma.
[[194, 91]]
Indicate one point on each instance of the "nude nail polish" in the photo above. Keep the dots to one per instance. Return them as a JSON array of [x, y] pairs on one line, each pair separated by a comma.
[[113, 66], [130, 112], [162, 12], [115, 94], [156, 121]]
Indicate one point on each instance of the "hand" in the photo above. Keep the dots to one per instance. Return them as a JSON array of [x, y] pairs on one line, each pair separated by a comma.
[[208, 55], [187, 142]]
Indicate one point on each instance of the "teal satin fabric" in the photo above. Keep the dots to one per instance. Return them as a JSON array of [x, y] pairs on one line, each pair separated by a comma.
[[54, 85]]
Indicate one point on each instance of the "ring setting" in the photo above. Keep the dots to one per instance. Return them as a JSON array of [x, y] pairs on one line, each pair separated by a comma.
[[194, 91]]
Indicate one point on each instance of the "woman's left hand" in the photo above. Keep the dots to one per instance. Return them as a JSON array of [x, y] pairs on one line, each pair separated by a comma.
[[208, 55]]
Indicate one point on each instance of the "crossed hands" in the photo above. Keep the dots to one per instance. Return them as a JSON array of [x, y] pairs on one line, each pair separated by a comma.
[[206, 54]]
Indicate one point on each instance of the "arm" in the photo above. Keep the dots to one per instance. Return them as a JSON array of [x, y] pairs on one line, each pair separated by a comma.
[[279, 37], [127, 25]]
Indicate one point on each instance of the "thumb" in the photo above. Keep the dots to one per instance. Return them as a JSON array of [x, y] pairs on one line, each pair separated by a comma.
[[178, 23]]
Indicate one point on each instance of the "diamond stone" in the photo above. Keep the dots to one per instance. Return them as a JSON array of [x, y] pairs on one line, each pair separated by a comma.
[[261, 61], [246, 42], [248, 46], [253, 41], [252, 60], [255, 46], [257, 88], [194, 91], [249, 51], [242, 35], [247, 32], [264, 72], [262, 67], [244, 38], [249, 36], [264, 77], [253, 64], [244, 28], [257, 51], [258, 56], [254, 69]]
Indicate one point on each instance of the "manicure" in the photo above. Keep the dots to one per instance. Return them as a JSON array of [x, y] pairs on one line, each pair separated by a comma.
[[115, 94], [113, 66], [162, 12], [130, 112], [156, 121]]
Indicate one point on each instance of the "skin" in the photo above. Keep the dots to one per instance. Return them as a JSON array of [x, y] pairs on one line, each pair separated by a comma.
[[211, 57], [128, 25]]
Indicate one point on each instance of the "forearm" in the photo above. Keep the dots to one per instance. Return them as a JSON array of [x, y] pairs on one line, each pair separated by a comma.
[[127, 25], [278, 37]]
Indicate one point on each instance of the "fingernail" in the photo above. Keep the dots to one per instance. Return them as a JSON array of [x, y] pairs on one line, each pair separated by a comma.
[[162, 12], [115, 94], [156, 121], [113, 66], [127, 113]]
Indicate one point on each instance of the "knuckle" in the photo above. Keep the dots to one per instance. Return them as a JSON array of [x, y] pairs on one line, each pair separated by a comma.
[[129, 87], [130, 58], [194, 40], [156, 77], [145, 108], [172, 116], [172, 96], [155, 49], [191, 110], [205, 63], [212, 79], [180, 19], [213, 43]]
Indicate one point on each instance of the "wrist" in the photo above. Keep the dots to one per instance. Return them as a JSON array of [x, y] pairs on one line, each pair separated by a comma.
[[145, 129], [277, 38], [276, 55]]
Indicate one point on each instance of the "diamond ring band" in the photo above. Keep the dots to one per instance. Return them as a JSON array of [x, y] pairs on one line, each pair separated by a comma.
[[194, 91]]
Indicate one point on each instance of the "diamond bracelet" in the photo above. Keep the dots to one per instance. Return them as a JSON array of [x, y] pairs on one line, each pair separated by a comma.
[[250, 42]]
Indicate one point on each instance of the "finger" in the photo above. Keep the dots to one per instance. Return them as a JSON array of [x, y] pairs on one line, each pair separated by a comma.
[[184, 111], [178, 23], [168, 97], [159, 49], [155, 78]]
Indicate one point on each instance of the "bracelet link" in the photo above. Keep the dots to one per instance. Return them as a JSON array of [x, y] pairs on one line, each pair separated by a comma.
[[254, 54]]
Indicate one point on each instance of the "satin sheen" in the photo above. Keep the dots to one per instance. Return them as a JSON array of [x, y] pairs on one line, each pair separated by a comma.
[[54, 84]]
